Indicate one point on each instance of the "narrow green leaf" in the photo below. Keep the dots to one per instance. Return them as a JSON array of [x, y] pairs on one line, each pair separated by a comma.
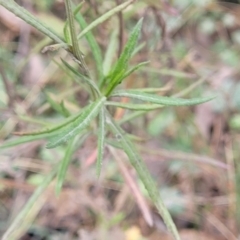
[[111, 50], [131, 116], [78, 8], [137, 162], [88, 81], [75, 127], [19, 220], [134, 115], [64, 110], [113, 143], [138, 48], [60, 108], [153, 98], [54, 128], [66, 25], [133, 69], [122, 64], [45, 133], [22, 13], [66, 33], [96, 51], [37, 121], [70, 18], [75, 47], [152, 90], [104, 17], [125, 75], [128, 49], [168, 72], [132, 106], [101, 140], [25, 139], [64, 165]]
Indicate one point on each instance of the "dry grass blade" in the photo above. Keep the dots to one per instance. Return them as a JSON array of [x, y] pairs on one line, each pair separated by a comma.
[[221, 227], [187, 157], [133, 186]]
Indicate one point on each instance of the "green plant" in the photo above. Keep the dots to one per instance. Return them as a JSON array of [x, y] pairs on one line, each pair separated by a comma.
[[100, 90]]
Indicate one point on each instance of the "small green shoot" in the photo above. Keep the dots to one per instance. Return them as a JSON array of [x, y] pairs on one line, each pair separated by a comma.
[[116, 76]]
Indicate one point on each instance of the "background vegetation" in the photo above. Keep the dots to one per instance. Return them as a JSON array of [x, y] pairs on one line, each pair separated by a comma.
[[192, 152]]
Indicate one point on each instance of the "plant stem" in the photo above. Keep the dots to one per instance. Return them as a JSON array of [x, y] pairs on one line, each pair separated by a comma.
[[75, 47]]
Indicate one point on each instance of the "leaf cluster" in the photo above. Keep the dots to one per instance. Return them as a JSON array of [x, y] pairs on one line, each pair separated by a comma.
[[101, 90]]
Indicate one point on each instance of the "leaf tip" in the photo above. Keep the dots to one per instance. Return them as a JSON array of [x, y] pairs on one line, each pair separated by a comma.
[[210, 98], [50, 145]]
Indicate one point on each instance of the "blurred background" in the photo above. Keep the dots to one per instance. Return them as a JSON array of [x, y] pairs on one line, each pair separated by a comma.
[[192, 152]]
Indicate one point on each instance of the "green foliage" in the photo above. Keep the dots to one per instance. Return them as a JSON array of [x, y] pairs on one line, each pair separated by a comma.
[[95, 49], [75, 47], [84, 79], [58, 107], [153, 98], [66, 25], [75, 127], [104, 17], [97, 108], [120, 69], [111, 50], [64, 165], [136, 107], [144, 175], [16, 225]]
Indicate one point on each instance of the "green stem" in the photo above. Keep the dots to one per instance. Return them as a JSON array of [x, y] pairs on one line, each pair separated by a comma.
[[76, 51]]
